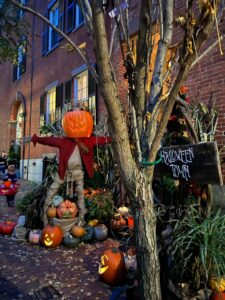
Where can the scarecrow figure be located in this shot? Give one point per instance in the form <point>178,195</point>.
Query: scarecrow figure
<point>72,153</point>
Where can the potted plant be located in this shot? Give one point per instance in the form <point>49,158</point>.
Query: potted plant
<point>100,206</point>
<point>198,248</point>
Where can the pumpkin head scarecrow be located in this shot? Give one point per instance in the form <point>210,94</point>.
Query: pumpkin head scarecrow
<point>75,148</point>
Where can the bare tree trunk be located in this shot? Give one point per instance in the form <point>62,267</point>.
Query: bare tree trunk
<point>145,234</point>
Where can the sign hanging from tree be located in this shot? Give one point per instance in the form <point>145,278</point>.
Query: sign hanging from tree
<point>197,162</point>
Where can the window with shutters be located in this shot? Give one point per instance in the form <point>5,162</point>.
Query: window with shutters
<point>20,67</point>
<point>85,92</point>
<point>66,15</point>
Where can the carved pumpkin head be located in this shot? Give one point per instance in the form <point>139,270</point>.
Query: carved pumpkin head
<point>77,124</point>
<point>112,267</point>
<point>51,236</point>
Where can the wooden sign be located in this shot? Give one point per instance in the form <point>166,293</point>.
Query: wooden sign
<point>197,162</point>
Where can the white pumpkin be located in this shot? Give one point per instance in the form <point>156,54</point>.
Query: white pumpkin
<point>123,210</point>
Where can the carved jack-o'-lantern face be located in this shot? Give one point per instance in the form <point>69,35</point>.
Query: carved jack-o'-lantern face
<point>102,266</point>
<point>47,240</point>
<point>77,124</point>
<point>112,267</point>
<point>51,236</point>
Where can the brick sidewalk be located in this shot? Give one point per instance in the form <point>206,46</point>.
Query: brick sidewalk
<point>32,272</point>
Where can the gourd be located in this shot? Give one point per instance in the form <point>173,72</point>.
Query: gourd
<point>71,242</point>
<point>112,267</point>
<point>67,209</point>
<point>51,212</point>
<point>77,231</point>
<point>93,222</point>
<point>89,235</point>
<point>34,236</point>
<point>77,124</point>
<point>100,232</point>
<point>51,236</point>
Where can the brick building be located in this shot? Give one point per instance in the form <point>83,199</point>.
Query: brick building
<point>45,83</point>
<point>49,78</point>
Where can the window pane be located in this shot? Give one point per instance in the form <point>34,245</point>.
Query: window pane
<point>51,96</point>
<point>79,16</point>
<point>54,19</point>
<point>81,87</point>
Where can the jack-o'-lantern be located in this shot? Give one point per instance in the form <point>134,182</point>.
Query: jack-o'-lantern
<point>51,236</point>
<point>67,209</point>
<point>112,267</point>
<point>77,124</point>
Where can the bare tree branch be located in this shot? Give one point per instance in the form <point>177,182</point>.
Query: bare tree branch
<point>118,127</point>
<point>210,48</point>
<point>163,45</point>
<point>143,53</point>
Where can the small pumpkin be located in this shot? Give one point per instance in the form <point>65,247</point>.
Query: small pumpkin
<point>67,209</point>
<point>34,236</point>
<point>77,124</point>
<point>51,212</point>
<point>77,231</point>
<point>217,284</point>
<point>93,222</point>
<point>7,227</point>
<point>100,232</point>
<point>117,222</point>
<point>89,235</point>
<point>112,267</point>
<point>217,296</point>
<point>51,236</point>
<point>70,241</point>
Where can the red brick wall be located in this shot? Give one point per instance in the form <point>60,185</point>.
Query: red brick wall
<point>57,65</point>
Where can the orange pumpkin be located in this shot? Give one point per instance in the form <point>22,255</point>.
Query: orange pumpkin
<point>67,209</point>
<point>7,184</point>
<point>51,212</point>
<point>77,231</point>
<point>51,236</point>
<point>112,267</point>
<point>77,124</point>
<point>217,296</point>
